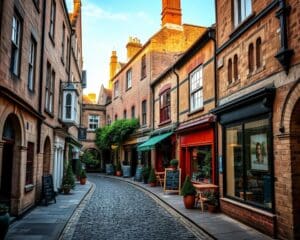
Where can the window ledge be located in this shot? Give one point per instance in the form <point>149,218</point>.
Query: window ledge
<point>49,113</point>
<point>241,25</point>
<point>196,111</point>
<point>127,89</point>
<point>164,122</point>
<point>28,188</point>
<point>91,130</point>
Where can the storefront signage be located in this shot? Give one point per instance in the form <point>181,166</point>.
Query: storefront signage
<point>172,181</point>
<point>48,190</point>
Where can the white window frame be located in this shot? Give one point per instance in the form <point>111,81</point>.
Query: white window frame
<point>94,122</point>
<point>31,64</point>
<point>129,79</point>
<point>242,9</point>
<point>196,89</point>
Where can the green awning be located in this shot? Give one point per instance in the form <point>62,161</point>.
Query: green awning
<point>150,143</point>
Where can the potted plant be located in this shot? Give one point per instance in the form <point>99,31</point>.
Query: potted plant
<point>212,201</point>
<point>174,164</point>
<point>68,180</point>
<point>188,192</point>
<point>83,177</point>
<point>145,174</point>
<point>152,178</point>
<point>4,220</point>
<point>118,169</point>
<point>78,169</point>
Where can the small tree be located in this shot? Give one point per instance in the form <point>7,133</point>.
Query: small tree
<point>69,179</point>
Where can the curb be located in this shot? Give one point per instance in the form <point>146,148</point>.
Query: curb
<point>187,222</point>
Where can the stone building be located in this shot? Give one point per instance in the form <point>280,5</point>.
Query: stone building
<point>37,60</point>
<point>131,94</point>
<point>258,110</point>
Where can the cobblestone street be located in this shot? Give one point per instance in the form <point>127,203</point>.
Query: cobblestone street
<point>117,210</point>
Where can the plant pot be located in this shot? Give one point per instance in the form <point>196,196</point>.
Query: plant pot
<point>4,224</point>
<point>119,173</point>
<point>189,201</point>
<point>82,181</point>
<point>152,184</point>
<point>212,208</point>
<point>66,190</point>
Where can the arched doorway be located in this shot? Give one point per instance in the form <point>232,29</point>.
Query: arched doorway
<point>295,161</point>
<point>10,154</point>
<point>47,157</point>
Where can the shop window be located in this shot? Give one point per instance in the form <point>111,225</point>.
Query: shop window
<point>258,53</point>
<point>251,58</point>
<point>29,163</point>
<point>16,45</point>
<point>196,89</point>
<point>201,163</point>
<point>235,68</point>
<point>248,171</point>
<point>229,71</point>
<point>128,78</point>
<point>242,9</point>
<point>165,106</point>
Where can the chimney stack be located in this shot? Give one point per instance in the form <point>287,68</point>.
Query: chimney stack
<point>112,67</point>
<point>133,46</point>
<point>171,12</point>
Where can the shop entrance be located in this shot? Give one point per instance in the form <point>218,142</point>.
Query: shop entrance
<point>295,156</point>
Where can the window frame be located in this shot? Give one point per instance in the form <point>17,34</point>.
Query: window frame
<point>199,89</point>
<point>240,11</point>
<point>165,106</point>
<point>93,120</point>
<point>32,65</point>
<point>144,112</point>
<point>52,20</point>
<point>129,79</point>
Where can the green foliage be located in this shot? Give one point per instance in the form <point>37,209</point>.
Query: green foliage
<point>152,176</point>
<point>83,173</point>
<point>68,179</point>
<point>89,159</point>
<point>116,133</point>
<point>174,162</point>
<point>212,197</point>
<point>3,208</point>
<point>145,172</point>
<point>188,188</point>
<point>78,167</point>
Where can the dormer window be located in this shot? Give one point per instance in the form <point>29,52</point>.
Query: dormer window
<point>242,9</point>
<point>70,104</point>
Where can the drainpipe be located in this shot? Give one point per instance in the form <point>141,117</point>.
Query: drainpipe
<point>39,127</point>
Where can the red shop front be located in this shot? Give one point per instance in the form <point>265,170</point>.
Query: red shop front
<point>197,151</point>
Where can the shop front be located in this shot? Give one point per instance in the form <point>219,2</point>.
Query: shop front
<point>197,150</point>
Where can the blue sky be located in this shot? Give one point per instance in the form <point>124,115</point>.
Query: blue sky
<point>107,25</point>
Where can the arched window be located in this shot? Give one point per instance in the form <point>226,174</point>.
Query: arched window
<point>68,106</point>
<point>258,53</point>
<point>251,58</point>
<point>235,67</point>
<point>229,71</point>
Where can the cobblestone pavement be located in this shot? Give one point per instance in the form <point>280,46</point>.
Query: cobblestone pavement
<point>117,210</point>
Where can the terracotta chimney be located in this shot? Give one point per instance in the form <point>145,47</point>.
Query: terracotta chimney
<point>133,46</point>
<point>112,66</point>
<point>171,12</point>
<point>76,8</point>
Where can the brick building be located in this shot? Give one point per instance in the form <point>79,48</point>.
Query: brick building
<point>131,95</point>
<point>258,110</point>
<point>37,60</point>
<point>183,96</point>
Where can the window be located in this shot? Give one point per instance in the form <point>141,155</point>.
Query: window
<point>116,89</point>
<point>93,122</point>
<point>16,45</point>
<point>229,71</point>
<point>258,53</point>
<point>144,112</point>
<point>133,112</point>
<point>196,89</point>
<point>49,89</point>
<point>165,106</point>
<point>116,117</point>
<point>128,78</point>
<point>68,54</point>
<point>52,19</point>
<point>31,64</point>
<point>143,67</point>
<point>29,163</point>
<point>63,43</point>
<point>108,120</point>
<point>201,163</point>
<point>251,58</point>
<point>125,114</point>
<point>248,171</point>
<point>242,9</point>
<point>68,106</point>
<point>235,67</point>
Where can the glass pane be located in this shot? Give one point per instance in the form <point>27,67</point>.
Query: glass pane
<point>234,162</point>
<point>201,158</point>
<point>258,185</point>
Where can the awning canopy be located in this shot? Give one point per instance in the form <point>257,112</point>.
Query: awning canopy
<point>150,144</point>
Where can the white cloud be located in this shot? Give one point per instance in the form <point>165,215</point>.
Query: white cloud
<point>92,10</point>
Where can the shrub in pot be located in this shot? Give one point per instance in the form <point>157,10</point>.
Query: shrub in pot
<point>145,174</point>
<point>152,178</point>
<point>68,180</point>
<point>4,220</point>
<point>188,192</point>
<point>83,177</point>
<point>174,164</point>
<point>118,169</point>
<point>212,201</point>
